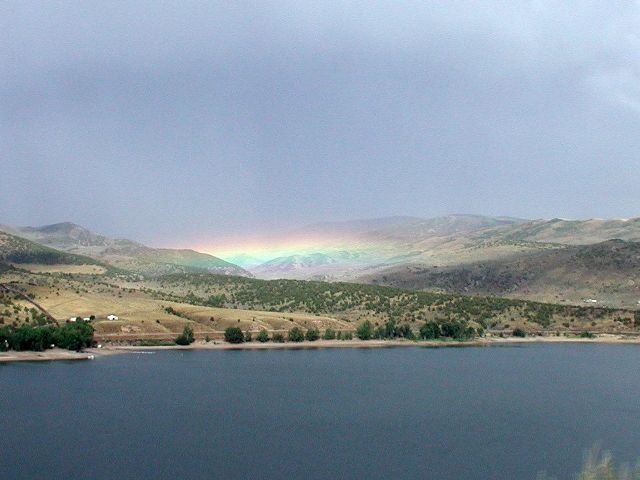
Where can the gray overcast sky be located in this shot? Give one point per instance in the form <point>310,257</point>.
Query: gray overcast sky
<point>169,122</point>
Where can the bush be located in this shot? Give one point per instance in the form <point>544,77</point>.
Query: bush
<point>346,336</point>
<point>295,335</point>
<point>587,334</point>
<point>457,330</point>
<point>277,338</point>
<point>186,337</point>
<point>233,335</point>
<point>72,336</point>
<point>247,336</point>
<point>430,331</point>
<point>365,331</point>
<point>519,332</point>
<point>329,334</point>
<point>312,334</point>
<point>263,336</point>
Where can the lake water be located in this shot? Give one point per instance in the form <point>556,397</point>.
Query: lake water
<point>454,413</point>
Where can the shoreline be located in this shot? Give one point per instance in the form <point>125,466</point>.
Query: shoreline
<point>108,350</point>
<point>480,342</point>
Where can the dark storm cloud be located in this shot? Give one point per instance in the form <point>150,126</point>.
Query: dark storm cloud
<point>166,122</point>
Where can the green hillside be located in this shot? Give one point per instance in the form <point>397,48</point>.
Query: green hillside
<point>356,303</point>
<point>19,250</point>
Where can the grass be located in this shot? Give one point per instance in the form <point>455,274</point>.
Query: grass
<point>161,308</point>
<point>599,465</point>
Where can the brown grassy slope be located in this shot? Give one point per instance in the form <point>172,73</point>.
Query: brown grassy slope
<point>608,271</point>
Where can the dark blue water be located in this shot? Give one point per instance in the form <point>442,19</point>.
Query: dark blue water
<point>464,413</point>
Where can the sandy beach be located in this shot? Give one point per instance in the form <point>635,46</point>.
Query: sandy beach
<point>47,355</point>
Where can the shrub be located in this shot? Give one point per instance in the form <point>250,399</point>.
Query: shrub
<point>233,335</point>
<point>365,331</point>
<point>430,331</point>
<point>73,336</point>
<point>587,334</point>
<point>519,332</point>
<point>186,337</point>
<point>312,334</point>
<point>247,336</point>
<point>277,338</point>
<point>295,335</point>
<point>263,336</point>
<point>329,334</point>
<point>457,330</point>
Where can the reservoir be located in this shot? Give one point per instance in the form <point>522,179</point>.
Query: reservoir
<point>410,412</point>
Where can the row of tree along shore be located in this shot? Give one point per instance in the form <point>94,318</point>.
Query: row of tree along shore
<point>36,338</point>
<point>366,331</point>
<point>79,335</point>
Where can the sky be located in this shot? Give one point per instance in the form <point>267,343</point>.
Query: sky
<point>173,123</point>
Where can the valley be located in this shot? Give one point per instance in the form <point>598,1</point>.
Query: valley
<point>485,277</point>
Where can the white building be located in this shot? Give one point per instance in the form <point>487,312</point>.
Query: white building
<point>112,317</point>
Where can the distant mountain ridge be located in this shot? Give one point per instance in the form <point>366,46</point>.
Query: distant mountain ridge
<point>362,244</point>
<point>126,254</point>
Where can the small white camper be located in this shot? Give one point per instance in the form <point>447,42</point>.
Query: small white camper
<point>112,317</point>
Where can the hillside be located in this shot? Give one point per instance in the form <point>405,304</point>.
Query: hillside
<point>351,247</point>
<point>290,266</point>
<point>158,308</point>
<point>125,254</point>
<point>17,250</point>
<point>570,232</point>
<point>355,303</point>
<point>608,272</point>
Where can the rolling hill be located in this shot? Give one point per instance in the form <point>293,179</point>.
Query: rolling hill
<point>17,250</point>
<point>608,272</point>
<point>124,254</point>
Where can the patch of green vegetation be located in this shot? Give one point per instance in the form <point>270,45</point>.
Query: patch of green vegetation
<point>263,336</point>
<point>295,335</point>
<point>71,336</point>
<point>519,332</point>
<point>233,335</point>
<point>312,334</point>
<point>186,337</point>
<point>329,334</point>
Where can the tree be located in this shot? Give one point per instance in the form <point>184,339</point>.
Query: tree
<point>312,334</point>
<point>186,337</point>
<point>519,332</point>
<point>247,336</point>
<point>263,336</point>
<point>365,331</point>
<point>329,334</point>
<point>233,335</point>
<point>430,331</point>
<point>296,335</point>
<point>73,336</point>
